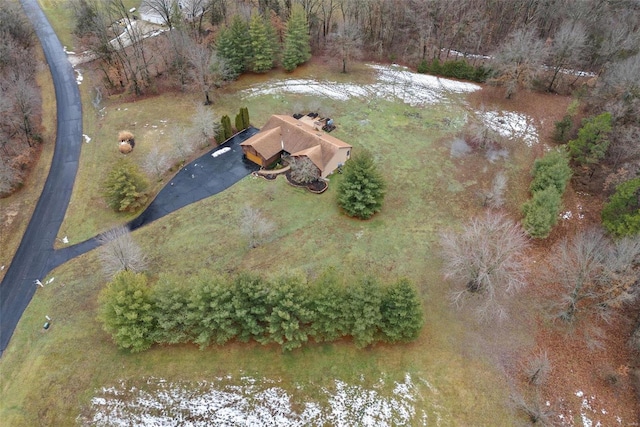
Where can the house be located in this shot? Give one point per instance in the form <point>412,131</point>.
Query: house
<point>160,11</point>
<point>287,135</point>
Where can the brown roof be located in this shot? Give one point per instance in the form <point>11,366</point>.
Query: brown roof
<point>297,138</point>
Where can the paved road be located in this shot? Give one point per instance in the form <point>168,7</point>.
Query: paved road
<point>31,258</point>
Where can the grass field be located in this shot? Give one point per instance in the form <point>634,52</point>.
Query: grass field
<point>50,378</point>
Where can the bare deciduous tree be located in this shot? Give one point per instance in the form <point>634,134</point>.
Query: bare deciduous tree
<point>156,162</point>
<point>183,141</point>
<point>567,50</point>
<point>8,176</point>
<point>596,274</point>
<point>484,262</point>
<point>120,252</point>
<point>255,226</point>
<point>346,44</point>
<point>205,124</point>
<point>167,10</point>
<point>303,170</point>
<point>494,197</point>
<point>519,60</point>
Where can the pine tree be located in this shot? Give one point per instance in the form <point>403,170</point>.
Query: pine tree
<point>541,212</point>
<point>402,316</point>
<point>365,301</point>
<point>126,311</point>
<point>593,140</point>
<point>125,188</point>
<point>171,304</point>
<point>297,47</point>
<point>250,306</point>
<point>331,307</point>
<point>290,315</point>
<point>211,312</point>
<point>362,189</point>
<point>551,170</point>
<point>621,214</point>
<point>262,43</point>
<point>234,46</point>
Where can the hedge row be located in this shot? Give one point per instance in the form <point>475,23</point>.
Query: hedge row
<point>459,69</point>
<point>550,176</point>
<point>288,310</point>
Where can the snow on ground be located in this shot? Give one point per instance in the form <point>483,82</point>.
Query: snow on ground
<point>79,77</point>
<point>589,414</point>
<point>220,151</point>
<point>257,402</point>
<point>393,82</point>
<point>512,125</point>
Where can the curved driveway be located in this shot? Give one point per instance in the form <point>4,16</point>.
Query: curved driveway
<point>30,261</point>
<point>35,256</point>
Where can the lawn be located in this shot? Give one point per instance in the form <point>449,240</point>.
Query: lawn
<point>50,377</point>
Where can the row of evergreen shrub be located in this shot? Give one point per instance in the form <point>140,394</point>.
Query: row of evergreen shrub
<point>287,310</point>
<point>459,69</point>
<point>551,174</point>
<point>226,131</point>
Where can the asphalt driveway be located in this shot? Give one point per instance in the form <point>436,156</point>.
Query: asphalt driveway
<point>202,178</point>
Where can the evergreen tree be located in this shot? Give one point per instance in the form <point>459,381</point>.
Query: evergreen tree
<point>226,127</point>
<point>593,140</point>
<point>331,307</point>
<point>401,311</point>
<point>262,43</point>
<point>551,170</point>
<point>290,315</point>
<point>126,311</point>
<point>541,212</point>
<point>234,46</point>
<point>365,301</point>
<point>239,122</point>
<point>245,116</point>
<point>211,312</point>
<point>297,47</point>
<point>125,188</point>
<point>621,214</point>
<point>250,307</point>
<point>362,189</point>
<point>171,304</point>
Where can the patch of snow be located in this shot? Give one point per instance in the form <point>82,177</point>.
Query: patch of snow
<point>255,402</point>
<point>220,151</point>
<point>588,412</point>
<point>79,77</point>
<point>512,125</point>
<point>392,82</point>
<point>86,138</point>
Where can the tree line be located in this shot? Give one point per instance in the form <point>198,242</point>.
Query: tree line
<point>20,102</point>
<point>288,310</point>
